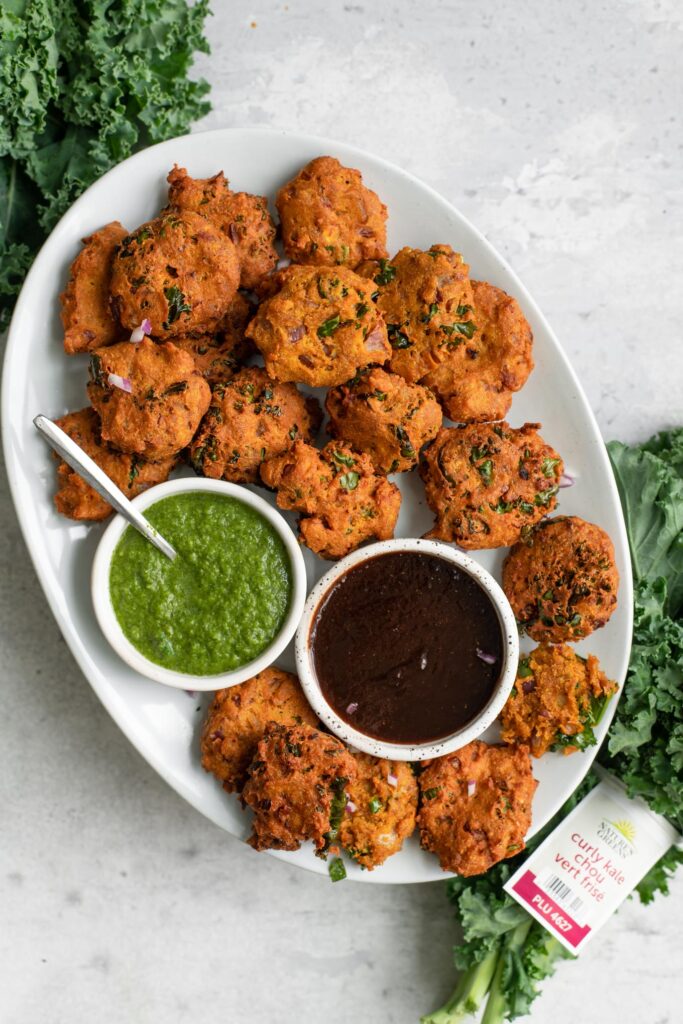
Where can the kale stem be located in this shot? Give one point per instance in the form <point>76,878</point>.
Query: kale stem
<point>469,992</point>
<point>496,1004</point>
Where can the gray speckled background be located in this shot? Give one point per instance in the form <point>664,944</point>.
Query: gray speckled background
<point>554,126</point>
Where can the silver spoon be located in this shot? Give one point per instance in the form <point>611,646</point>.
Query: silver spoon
<point>74,455</point>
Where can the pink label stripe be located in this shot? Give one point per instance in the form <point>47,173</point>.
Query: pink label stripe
<point>552,914</point>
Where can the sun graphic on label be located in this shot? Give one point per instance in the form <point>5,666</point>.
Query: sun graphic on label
<point>627,829</point>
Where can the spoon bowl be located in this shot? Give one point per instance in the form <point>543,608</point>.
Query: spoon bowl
<point>93,475</point>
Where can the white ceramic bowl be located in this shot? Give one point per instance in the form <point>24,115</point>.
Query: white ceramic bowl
<point>109,624</point>
<point>405,751</point>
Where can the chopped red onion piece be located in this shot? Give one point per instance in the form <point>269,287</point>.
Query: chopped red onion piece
<point>471,788</point>
<point>567,480</point>
<point>352,708</point>
<point>351,807</point>
<point>122,383</point>
<point>139,333</point>
<point>375,339</point>
<point>528,685</point>
<point>297,333</point>
<point>392,779</point>
<point>490,659</point>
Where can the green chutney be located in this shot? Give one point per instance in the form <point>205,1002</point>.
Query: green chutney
<point>220,603</point>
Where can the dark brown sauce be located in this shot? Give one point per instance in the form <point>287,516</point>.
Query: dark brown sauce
<point>395,640</point>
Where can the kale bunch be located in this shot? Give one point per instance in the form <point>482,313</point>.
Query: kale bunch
<point>83,84</point>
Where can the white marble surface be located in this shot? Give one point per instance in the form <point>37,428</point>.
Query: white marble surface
<point>554,126</point>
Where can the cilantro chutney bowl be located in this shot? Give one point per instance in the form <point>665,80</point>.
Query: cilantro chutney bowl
<point>224,610</point>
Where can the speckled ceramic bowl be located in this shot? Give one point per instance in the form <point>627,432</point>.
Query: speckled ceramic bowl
<point>405,751</point>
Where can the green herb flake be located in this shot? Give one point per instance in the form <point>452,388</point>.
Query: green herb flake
<point>336,869</point>
<point>485,471</point>
<point>543,498</point>
<point>548,466</point>
<point>328,328</point>
<point>349,481</point>
<point>432,310</point>
<point>343,460</point>
<point>375,805</point>
<point>386,274</point>
<point>176,305</point>
<point>397,338</point>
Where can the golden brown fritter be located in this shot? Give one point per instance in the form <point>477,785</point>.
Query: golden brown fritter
<point>562,581</point>
<point>557,700</point>
<point>237,720</point>
<point>329,217</point>
<point>272,283</point>
<point>380,414</point>
<point>160,413</point>
<point>243,217</point>
<point>380,812</point>
<point>75,499</point>
<point>476,384</point>
<point>426,301</point>
<point>476,806</point>
<point>319,328</point>
<point>178,271</point>
<point>297,788</point>
<point>342,501</point>
<point>489,483</point>
<point>86,314</point>
<point>219,355</point>
<point>251,419</point>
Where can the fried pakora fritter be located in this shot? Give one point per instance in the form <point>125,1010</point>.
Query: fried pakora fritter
<point>297,788</point>
<point>476,385</point>
<point>342,501</point>
<point>76,499</point>
<point>557,700</point>
<point>319,328</point>
<point>380,812</point>
<point>237,720</point>
<point>272,283</point>
<point>219,355</point>
<point>489,483</point>
<point>251,419</point>
<point>178,271</point>
<point>476,806</point>
<point>562,580</point>
<point>149,397</point>
<point>380,414</point>
<point>86,314</point>
<point>243,217</point>
<point>329,217</point>
<point>426,301</point>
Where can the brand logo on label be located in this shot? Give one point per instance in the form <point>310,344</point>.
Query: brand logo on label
<point>619,836</point>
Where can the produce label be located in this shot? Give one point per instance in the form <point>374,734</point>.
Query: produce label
<point>583,871</point>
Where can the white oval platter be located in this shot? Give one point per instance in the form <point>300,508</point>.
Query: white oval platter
<point>164,723</point>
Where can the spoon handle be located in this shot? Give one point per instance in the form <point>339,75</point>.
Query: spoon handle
<point>87,468</point>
